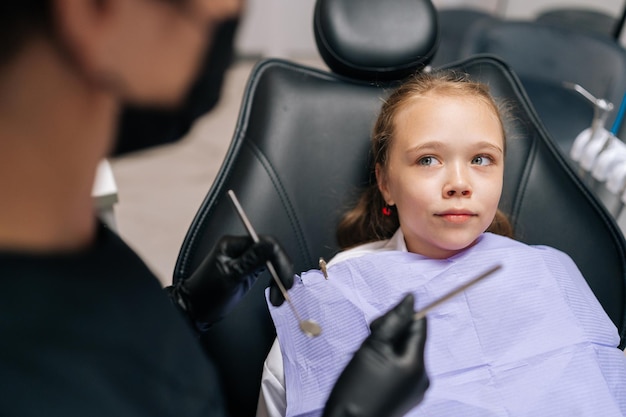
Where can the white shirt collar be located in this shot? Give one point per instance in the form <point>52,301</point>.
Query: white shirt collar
<point>396,242</point>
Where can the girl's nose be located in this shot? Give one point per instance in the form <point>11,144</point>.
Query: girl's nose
<point>457,184</point>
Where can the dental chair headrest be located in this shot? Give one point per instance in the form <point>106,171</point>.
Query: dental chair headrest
<point>376,39</point>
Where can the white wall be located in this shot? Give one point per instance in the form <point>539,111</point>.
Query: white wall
<point>284,28</point>
<point>277,28</point>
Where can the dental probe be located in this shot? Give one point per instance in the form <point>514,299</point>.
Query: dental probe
<point>308,327</point>
<point>422,313</point>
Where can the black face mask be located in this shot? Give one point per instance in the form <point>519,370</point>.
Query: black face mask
<point>144,127</point>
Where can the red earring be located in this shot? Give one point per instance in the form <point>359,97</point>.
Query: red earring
<point>386,211</point>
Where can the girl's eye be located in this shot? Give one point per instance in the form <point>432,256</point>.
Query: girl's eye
<point>427,161</point>
<point>482,160</point>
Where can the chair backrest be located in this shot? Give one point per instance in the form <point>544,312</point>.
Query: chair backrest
<point>544,56</point>
<point>579,19</point>
<point>299,157</point>
<point>454,25</point>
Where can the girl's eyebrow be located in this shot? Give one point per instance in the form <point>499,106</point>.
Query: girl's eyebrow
<point>485,144</point>
<point>437,145</point>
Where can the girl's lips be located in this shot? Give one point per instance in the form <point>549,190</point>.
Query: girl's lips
<point>456,217</point>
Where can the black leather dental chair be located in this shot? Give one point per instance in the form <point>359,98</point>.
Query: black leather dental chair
<point>299,157</point>
<point>454,25</point>
<point>544,56</point>
<point>579,19</point>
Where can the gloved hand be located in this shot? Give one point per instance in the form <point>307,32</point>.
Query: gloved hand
<point>386,376</point>
<point>227,273</point>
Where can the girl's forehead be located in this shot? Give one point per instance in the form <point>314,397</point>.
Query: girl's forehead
<point>446,114</point>
<point>445,105</point>
<point>433,102</point>
<point>464,98</point>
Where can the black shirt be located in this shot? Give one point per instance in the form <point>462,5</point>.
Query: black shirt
<point>93,334</point>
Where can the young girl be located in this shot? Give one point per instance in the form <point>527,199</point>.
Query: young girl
<point>530,340</point>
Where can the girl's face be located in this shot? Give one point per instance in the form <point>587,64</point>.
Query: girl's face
<point>444,173</point>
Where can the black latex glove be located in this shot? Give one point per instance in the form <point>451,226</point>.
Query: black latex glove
<point>226,275</point>
<point>386,376</point>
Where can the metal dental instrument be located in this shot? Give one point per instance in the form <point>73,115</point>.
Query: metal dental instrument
<point>422,313</point>
<point>308,327</point>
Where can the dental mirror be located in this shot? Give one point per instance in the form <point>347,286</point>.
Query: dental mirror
<point>308,327</point>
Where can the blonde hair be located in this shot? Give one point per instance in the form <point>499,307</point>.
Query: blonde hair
<point>365,221</point>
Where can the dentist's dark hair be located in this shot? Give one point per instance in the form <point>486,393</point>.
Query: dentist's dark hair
<point>19,20</point>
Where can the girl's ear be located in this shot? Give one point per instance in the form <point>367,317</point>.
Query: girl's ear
<point>381,180</point>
